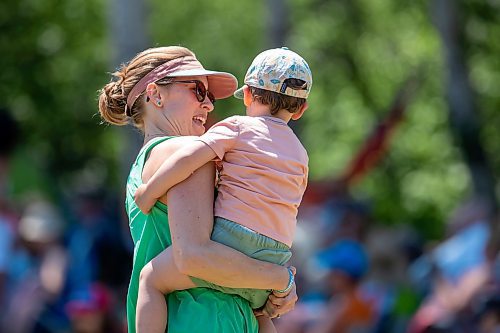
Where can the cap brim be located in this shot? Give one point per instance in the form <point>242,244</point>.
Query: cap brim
<point>239,93</point>
<point>220,84</point>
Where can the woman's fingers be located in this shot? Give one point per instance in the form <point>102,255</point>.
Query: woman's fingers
<point>278,306</point>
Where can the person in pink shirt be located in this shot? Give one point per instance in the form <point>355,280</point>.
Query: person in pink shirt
<point>262,178</point>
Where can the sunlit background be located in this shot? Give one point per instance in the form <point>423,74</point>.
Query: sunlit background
<point>402,133</point>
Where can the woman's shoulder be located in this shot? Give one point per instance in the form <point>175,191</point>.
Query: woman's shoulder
<point>161,151</point>
<point>170,146</point>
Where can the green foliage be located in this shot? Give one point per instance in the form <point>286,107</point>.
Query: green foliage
<point>360,52</point>
<point>224,35</point>
<point>483,47</point>
<point>54,61</point>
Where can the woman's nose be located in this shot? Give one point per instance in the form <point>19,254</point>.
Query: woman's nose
<point>207,104</point>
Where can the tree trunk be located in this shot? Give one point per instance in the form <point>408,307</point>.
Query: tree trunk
<point>277,23</point>
<point>128,35</point>
<point>128,27</point>
<point>278,26</point>
<point>463,115</point>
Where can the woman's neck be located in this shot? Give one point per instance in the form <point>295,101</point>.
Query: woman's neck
<point>152,131</point>
<point>148,137</point>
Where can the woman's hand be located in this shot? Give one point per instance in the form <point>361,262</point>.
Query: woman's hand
<point>144,201</point>
<point>280,303</point>
<point>278,306</point>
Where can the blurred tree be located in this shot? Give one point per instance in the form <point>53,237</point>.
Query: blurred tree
<point>128,30</point>
<point>129,35</point>
<point>464,117</point>
<point>360,53</point>
<point>277,15</point>
<point>54,56</point>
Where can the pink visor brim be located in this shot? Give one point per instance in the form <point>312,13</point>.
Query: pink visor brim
<point>220,84</point>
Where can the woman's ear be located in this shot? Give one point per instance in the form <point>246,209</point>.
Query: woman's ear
<point>247,96</point>
<point>153,94</point>
<point>301,111</point>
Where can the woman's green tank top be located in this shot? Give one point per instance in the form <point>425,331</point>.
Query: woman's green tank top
<point>190,311</point>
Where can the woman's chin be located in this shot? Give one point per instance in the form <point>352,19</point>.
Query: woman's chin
<point>198,129</point>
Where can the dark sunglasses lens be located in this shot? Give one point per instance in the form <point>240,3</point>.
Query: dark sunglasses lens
<point>201,91</point>
<point>211,97</point>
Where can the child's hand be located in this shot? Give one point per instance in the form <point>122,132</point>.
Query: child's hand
<point>143,201</point>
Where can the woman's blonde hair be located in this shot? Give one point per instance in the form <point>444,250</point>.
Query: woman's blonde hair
<point>113,96</point>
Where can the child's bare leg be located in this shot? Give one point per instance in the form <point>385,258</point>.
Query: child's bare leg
<point>160,276</point>
<point>266,325</point>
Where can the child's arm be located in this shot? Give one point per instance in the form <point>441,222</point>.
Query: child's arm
<point>173,170</point>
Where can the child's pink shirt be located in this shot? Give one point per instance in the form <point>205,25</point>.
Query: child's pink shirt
<point>263,176</point>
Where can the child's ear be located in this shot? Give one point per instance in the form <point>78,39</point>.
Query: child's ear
<point>301,111</point>
<point>247,96</point>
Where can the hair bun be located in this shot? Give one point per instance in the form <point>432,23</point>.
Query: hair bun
<point>112,101</point>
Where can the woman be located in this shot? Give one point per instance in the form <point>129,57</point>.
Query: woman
<point>164,92</point>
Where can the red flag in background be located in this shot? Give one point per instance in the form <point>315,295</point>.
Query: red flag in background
<point>372,150</point>
<point>378,141</point>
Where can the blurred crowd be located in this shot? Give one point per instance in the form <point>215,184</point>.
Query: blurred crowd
<point>356,275</point>
<point>64,266</point>
<point>62,276</point>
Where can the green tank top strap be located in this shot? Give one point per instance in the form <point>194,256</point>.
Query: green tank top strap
<point>135,176</point>
<point>144,152</point>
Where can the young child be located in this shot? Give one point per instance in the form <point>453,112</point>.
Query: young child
<point>261,183</point>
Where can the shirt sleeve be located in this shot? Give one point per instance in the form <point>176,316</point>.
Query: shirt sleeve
<point>222,136</point>
<point>305,180</point>
<point>305,167</point>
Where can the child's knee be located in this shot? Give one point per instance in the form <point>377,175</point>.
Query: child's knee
<point>147,275</point>
<point>150,279</point>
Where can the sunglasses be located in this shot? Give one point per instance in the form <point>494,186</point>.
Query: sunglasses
<point>200,91</point>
